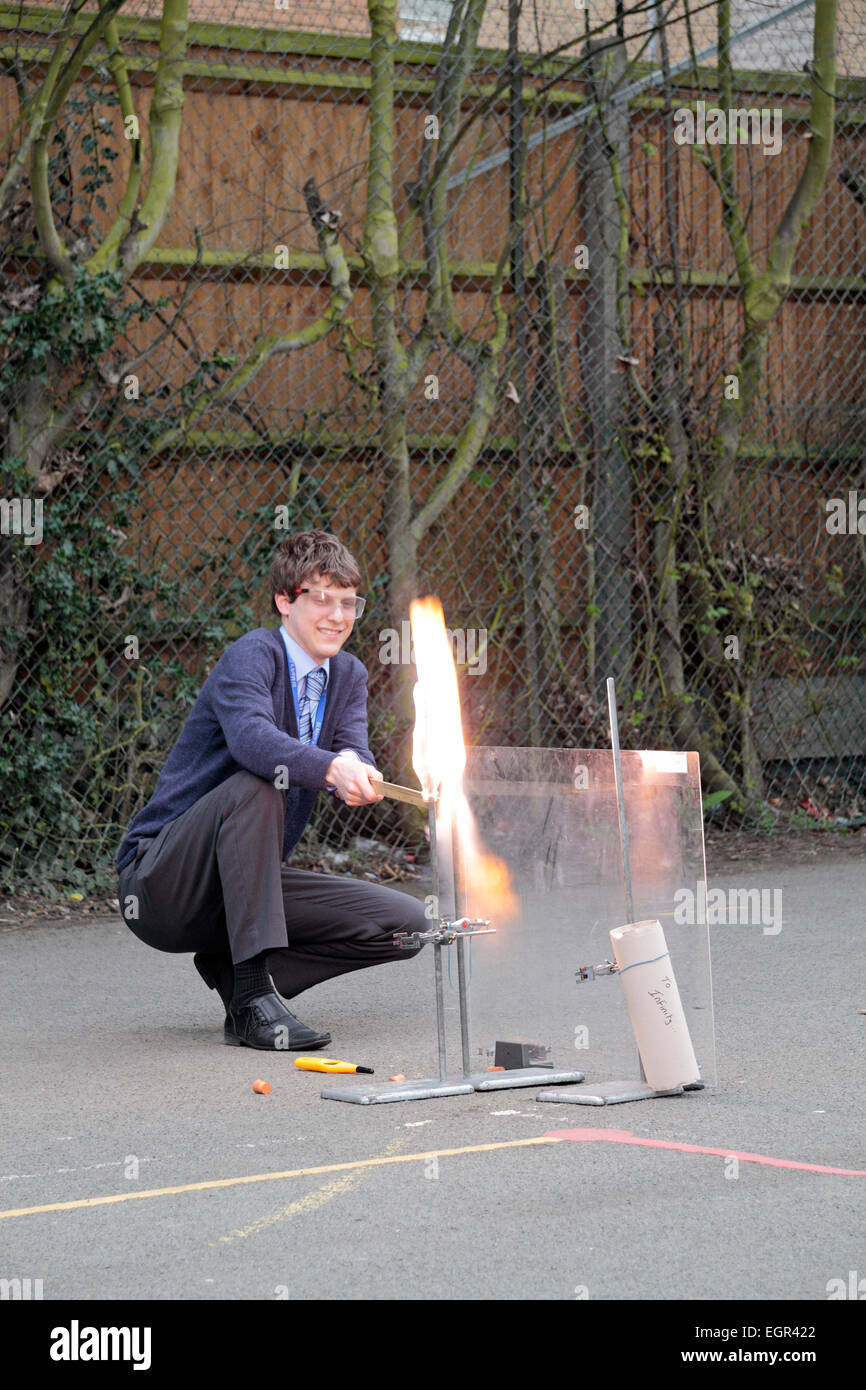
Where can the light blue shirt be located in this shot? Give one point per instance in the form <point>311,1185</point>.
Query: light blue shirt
<point>304,664</point>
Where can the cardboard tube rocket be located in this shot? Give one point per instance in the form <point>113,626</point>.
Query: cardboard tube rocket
<point>654,1005</point>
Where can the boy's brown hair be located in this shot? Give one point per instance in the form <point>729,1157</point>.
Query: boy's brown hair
<point>306,553</point>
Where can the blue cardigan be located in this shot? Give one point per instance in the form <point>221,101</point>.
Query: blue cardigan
<point>244,718</point>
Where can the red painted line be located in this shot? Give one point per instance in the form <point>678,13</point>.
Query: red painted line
<point>625,1136</point>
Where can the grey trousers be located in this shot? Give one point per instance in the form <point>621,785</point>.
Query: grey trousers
<point>212,881</point>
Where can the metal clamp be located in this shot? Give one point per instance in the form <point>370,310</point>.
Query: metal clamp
<point>447,931</point>
<point>590,972</point>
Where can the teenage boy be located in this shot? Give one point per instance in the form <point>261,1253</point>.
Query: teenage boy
<point>281,717</point>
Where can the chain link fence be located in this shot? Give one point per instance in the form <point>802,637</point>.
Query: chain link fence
<point>552,309</point>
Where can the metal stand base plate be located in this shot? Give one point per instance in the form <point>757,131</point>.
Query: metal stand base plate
<point>423,1088</point>
<point>608,1093</point>
<point>426,1088</point>
<point>523,1076</point>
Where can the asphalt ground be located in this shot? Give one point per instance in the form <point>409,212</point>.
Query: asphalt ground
<point>167,1178</point>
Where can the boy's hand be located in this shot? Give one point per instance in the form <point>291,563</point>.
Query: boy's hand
<point>353,781</point>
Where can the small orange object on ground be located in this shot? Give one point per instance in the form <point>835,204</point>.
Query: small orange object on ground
<point>398,1077</point>
<point>261,1087</point>
<point>496,1069</point>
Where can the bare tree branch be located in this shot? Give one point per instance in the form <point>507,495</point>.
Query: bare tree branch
<point>326,224</point>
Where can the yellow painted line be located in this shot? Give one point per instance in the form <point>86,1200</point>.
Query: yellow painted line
<point>311,1202</point>
<point>276,1177</point>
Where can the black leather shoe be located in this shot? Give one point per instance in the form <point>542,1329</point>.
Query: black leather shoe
<point>265,1023</point>
<point>218,973</point>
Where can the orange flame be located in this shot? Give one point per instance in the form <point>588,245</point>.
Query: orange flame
<point>439,760</point>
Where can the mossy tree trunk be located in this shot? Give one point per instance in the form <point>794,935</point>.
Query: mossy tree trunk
<point>45,406</point>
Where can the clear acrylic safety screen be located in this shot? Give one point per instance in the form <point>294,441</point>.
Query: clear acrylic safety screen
<point>550,814</point>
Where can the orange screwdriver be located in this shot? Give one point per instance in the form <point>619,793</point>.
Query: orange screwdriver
<point>328,1064</point>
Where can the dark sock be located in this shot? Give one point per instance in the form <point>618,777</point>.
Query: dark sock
<point>251,979</point>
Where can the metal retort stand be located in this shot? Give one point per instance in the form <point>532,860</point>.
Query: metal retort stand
<point>447,931</point>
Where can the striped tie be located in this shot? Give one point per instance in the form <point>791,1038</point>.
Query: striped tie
<point>315,684</point>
